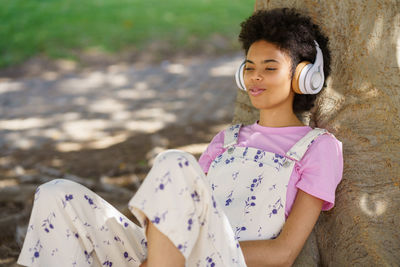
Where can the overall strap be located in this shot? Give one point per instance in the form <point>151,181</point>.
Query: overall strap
<point>231,135</point>
<point>300,148</point>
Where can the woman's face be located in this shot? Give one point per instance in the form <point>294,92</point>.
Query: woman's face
<point>267,76</point>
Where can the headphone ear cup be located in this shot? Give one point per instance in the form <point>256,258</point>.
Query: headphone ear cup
<point>298,78</point>
<point>239,76</point>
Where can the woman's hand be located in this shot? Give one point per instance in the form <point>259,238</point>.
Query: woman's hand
<point>143,264</point>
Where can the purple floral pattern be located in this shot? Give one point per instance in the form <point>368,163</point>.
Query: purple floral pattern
<point>249,202</point>
<point>57,228</point>
<point>250,191</point>
<point>229,199</point>
<point>67,198</point>
<point>274,208</point>
<point>90,202</point>
<point>163,181</point>
<point>35,251</point>
<point>238,231</point>
<point>159,218</point>
<point>255,182</point>
<point>47,223</point>
<point>182,162</point>
<point>124,221</point>
<point>278,160</point>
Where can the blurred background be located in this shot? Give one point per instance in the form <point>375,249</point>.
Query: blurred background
<point>92,90</point>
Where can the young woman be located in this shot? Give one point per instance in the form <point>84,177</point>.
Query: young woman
<point>251,200</point>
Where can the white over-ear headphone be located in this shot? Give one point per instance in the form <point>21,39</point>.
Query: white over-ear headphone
<point>308,78</point>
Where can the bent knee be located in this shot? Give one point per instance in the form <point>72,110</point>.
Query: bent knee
<point>58,189</point>
<point>175,156</point>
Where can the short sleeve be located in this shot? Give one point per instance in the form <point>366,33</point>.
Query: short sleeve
<point>214,149</point>
<point>321,169</point>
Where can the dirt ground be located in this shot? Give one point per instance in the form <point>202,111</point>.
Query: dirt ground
<point>114,171</point>
<point>125,165</point>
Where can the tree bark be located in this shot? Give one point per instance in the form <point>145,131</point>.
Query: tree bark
<point>361,107</point>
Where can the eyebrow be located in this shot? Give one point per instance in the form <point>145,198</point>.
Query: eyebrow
<point>264,61</point>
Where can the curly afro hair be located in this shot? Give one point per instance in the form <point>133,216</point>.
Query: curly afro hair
<point>292,33</point>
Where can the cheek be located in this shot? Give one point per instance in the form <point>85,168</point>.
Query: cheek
<point>278,78</point>
<point>246,79</point>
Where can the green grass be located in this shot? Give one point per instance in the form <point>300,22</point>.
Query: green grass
<point>59,28</point>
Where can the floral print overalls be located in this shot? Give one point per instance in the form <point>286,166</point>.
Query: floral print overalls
<point>251,185</point>
<point>241,198</point>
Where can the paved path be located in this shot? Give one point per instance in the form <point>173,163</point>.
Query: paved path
<point>96,110</point>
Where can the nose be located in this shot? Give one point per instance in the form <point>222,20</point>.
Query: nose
<point>256,76</point>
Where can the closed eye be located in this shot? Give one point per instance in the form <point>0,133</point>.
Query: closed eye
<point>265,69</point>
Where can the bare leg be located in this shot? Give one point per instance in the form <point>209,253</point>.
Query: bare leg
<point>161,251</point>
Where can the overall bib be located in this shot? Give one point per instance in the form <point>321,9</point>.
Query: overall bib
<point>251,185</point>
<point>242,198</point>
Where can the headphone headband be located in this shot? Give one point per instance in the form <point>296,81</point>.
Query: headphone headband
<point>314,79</point>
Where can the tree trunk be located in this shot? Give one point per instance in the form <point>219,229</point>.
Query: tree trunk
<point>360,107</point>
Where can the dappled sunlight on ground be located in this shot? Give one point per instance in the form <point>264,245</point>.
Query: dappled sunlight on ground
<point>83,110</point>
<point>6,87</point>
<point>103,129</point>
<point>226,69</point>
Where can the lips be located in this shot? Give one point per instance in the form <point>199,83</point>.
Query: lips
<point>256,91</point>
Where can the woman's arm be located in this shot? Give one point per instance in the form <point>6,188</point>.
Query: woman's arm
<point>283,250</point>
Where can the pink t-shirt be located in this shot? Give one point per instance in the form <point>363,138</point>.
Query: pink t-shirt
<point>318,173</point>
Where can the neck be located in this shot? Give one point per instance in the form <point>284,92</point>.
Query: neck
<point>278,118</point>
